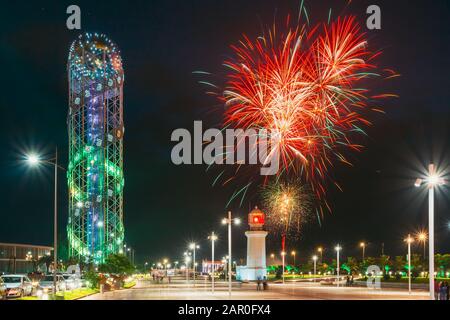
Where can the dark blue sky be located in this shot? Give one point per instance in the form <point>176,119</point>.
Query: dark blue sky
<point>162,43</point>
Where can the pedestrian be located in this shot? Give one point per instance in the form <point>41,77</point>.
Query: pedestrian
<point>442,291</point>
<point>447,293</point>
<point>258,284</point>
<point>265,283</point>
<point>436,290</point>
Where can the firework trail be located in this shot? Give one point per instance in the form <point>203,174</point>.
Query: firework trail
<point>288,206</point>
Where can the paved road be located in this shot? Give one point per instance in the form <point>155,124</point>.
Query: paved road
<point>180,290</point>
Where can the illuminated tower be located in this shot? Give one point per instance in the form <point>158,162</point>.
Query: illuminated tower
<point>95,170</point>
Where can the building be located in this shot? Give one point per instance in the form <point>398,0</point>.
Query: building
<point>95,171</point>
<point>21,258</point>
<point>256,248</point>
<point>207,266</point>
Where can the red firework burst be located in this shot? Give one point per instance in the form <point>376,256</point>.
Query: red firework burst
<point>303,85</point>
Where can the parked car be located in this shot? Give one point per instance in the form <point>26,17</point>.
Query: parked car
<point>2,290</point>
<point>46,283</point>
<point>17,285</point>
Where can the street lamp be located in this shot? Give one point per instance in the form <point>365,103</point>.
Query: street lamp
<point>187,259</point>
<point>283,254</point>
<point>293,253</point>
<point>320,250</point>
<point>193,246</point>
<point>422,237</point>
<point>363,246</point>
<point>272,256</point>
<point>338,249</point>
<point>409,240</point>
<point>213,238</point>
<point>431,181</point>
<point>229,221</point>
<point>315,266</point>
<point>34,160</point>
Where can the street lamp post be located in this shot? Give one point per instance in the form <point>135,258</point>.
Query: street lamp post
<point>409,240</point>
<point>363,246</point>
<point>293,253</point>
<point>187,259</point>
<point>33,160</point>
<point>283,254</point>
<point>213,238</point>
<point>320,250</point>
<point>229,221</point>
<point>193,246</point>
<point>432,181</point>
<point>315,267</point>
<point>338,250</point>
<point>422,237</point>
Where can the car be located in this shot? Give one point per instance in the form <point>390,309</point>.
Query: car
<point>17,285</point>
<point>46,283</point>
<point>2,290</point>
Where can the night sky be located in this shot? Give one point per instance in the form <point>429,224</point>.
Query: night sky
<point>162,43</point>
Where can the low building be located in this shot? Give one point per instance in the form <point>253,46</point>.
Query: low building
<point>207,266</point>
<point>21,258</point>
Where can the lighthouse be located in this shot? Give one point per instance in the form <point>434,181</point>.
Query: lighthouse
<point>256,248</point>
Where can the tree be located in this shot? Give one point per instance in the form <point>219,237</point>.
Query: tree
<point>399,263</point>
<point>352,265</point>
<point>46,259</point>
<point>117,264</point>
<point>385,263</point>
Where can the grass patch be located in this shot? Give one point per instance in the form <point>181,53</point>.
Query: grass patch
<point>129,285</point>
<point>68,295</point>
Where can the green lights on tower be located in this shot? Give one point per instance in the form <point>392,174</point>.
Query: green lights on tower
<point>95,171</point>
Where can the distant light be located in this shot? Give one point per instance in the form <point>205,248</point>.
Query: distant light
<point>32,159</point>
<point>314,258</point>
<point>422,236</point>
<point>224,221</point>
<point>100,224</point>
<point>237,221</point>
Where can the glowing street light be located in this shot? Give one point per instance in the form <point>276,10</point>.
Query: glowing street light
<point>338,249</point>
<point>272,256</point>
<point>315,266</point>
<point>409,240</point>
<point>193,246</point>
<point>293,253</point>
<point>34,160</point>
<point>213,238</point>
<point>229,221</point>
<point>283,254</point>
<point>363,246</point>
<point>187,259</point>
<point>320,251</point>
<point>422,237</point>
<point>433,180</point>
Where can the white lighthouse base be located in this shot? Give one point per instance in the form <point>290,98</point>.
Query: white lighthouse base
<point>256,257</point>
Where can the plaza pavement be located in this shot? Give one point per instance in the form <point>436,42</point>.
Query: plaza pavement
<point>180,290</point>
